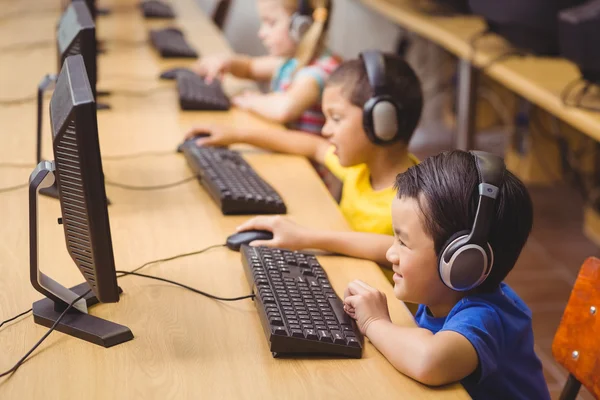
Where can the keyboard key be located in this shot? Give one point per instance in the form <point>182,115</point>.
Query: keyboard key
<point>310,334</point>
<point>279,330</point>
<point>324,336</point>
<point>353,342</point>
<point>338,338</point>
<point>297,333</point>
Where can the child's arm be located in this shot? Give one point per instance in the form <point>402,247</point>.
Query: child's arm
<point>283,107</point>
<point>289,235</point>
<point>282,141</point>
<point>255,68</point>
<point>438,359</point>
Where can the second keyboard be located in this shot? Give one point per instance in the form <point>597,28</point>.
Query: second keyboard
<point>232,182</point>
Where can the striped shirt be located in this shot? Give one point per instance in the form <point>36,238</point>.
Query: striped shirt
<point>312,120</point>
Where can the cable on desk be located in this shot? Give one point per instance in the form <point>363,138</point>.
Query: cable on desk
<point>193,253</point>
<point>14,102</point>
<point>141,93</point>
<point>473,42</point>
<point>16,165</point>
<point>20,13</point>
<point>22,360</point>
<point>13,188</point>
<point>141,154</point>
<point>210,296</point>
<point>503,56</point>
<point>157,187</point>
<point>579,95</point>
<point>15,317</point>
<point>27,46</point>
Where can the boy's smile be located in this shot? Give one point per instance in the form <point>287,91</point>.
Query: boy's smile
<point>413,257</point>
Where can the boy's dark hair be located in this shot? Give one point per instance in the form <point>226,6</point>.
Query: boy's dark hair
<point>402,83</point>
<point>446,187</point>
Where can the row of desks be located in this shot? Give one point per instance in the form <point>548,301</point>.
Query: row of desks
<point>185,345</point>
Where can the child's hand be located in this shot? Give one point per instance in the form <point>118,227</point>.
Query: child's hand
<point>286,234</point>
<point>217,135</point>
<point>212,67</point>
<point>365,304</point>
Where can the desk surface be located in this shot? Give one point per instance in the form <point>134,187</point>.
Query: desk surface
<point>538,79</point>
<point>185,346</point>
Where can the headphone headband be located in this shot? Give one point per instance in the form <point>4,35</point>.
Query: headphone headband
<point>304,8</point>
<point>374,62</point>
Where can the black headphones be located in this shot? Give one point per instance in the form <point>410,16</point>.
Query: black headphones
<point>301,20</point>
<point>383,116</point>
<point>467,258</point>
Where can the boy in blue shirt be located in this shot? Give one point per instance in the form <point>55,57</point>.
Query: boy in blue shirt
<point>460,221</point>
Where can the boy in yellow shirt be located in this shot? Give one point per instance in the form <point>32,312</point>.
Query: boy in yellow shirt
<point>372,107</point>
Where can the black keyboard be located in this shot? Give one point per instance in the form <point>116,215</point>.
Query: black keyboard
<point>232,182</point>
<point>299,311</point>
<point>157,9</point>
<point>196,94</point>
<point>171,43</point>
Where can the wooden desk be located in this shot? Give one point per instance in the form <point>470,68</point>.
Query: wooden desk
<point>185,346</point>
<point>538,79</point>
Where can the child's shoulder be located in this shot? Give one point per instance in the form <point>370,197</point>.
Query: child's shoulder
<point>502,307</point>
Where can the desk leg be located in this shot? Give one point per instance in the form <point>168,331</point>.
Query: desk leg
<point>466,110</point>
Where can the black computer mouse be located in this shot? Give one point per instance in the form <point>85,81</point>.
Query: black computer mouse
<point>191,140</point>
<point>235,241</point>
<point>172,29</point>
<point>172,73</point>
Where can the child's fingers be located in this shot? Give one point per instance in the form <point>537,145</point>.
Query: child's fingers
<point>355,288</point>
<point>266,243</point>
<point>263,223</point>
<point>365,286</point>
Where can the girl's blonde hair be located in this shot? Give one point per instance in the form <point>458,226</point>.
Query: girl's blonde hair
<point>313,40</point>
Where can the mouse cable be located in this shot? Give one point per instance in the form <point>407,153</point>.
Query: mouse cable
<point>193,253</point>
<point>13,188</point>
<point>157,187</point>
<point>22,360</point>
<point>15,317</point>
<point>210,296</point>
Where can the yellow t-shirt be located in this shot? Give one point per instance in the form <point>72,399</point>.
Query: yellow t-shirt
<point>366,210</point>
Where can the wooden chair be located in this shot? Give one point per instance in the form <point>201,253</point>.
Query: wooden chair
<point>220,12</point>
<point>576,345</point>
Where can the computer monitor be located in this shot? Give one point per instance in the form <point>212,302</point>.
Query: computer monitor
<point>76,34</point>
<point>78,171</point>
<point>531,25</point>
<point>579,31</point>
<point>91,4</point>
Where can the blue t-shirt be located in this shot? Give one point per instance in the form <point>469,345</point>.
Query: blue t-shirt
<point>498,325</point>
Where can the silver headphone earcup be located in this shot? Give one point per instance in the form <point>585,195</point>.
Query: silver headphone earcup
<point>299,25</point>
<point>385,120</point>
<point>467,267</point>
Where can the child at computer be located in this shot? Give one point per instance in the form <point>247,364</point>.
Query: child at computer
<point>372,106</point>
<point>460,222</point>
<point>298,64</point>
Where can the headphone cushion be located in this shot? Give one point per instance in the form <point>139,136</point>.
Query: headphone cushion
<point>299,25</point>
<point>463,265</point>
<point>381,120</point>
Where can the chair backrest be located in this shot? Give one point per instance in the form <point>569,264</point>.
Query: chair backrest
<point>576,345</point>
<point>220,12</point>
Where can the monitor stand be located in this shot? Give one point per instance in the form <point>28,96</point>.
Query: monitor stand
<point>52,191</point>
<point>77,322</point>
